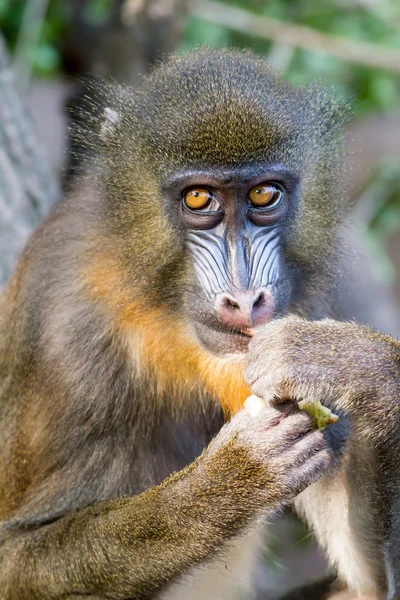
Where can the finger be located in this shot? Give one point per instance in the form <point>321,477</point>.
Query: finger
<point>305,448</point>
<point>310,471</point>
<point>295,424</point>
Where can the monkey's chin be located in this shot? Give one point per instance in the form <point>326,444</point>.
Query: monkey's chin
<point>226,344</point>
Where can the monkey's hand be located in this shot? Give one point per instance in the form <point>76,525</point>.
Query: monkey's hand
<point>345,366</point>
<point>260,460</point>
<point>354,370</point>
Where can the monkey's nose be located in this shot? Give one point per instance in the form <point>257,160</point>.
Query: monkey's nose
<point>243,309</point>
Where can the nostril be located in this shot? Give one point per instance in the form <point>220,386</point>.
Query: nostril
<point>244,309</point>
<point>259,300</point>
<point>230,303</point>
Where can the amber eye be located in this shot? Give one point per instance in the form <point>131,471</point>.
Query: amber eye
<point>265,195</point>
<point>198,198</point>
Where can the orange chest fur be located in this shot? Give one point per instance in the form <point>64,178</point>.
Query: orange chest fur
<point>179,364</point>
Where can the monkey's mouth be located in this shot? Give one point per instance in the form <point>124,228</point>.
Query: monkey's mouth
<point>248,332</point>
<point>245,334</point>
<point>221,340</point>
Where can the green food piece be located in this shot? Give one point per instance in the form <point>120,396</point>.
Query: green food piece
<point>321,416</point>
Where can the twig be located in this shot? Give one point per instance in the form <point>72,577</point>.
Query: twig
<point>364,53</point>
<point>28,37</point>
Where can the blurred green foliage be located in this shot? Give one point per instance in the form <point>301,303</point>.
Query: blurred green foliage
<point>376,22</point>
<point>46,60</point>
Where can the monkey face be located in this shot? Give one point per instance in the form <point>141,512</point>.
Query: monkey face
<point>234,225</point>
<point>220,186</point>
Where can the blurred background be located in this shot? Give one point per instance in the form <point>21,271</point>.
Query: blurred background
<point>49,47</point>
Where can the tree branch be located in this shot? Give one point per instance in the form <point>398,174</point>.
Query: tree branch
<point>364,53</point>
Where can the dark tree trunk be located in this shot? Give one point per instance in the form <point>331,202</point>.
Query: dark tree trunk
<point>135,35</point>
<point>28,185</point>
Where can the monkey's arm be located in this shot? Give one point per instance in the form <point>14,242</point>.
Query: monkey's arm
<point>129,547</point>
<point>133,547</point>
<point>355,371</point>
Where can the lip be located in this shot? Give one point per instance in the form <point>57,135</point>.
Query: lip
<point>242,333</point>
<point>223,341</point>
<point>248,332</point>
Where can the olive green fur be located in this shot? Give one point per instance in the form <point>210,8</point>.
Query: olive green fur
<point>109,488</point>
<point>219,109</point>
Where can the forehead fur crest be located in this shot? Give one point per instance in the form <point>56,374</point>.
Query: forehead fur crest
<point>224,108</point>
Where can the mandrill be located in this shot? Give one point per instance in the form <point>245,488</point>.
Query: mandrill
<point>189,268</point>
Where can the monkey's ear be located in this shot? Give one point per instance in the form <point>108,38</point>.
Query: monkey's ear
<point>109,123</point>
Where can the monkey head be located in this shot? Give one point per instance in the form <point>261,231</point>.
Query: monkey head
<point>220,185</point>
